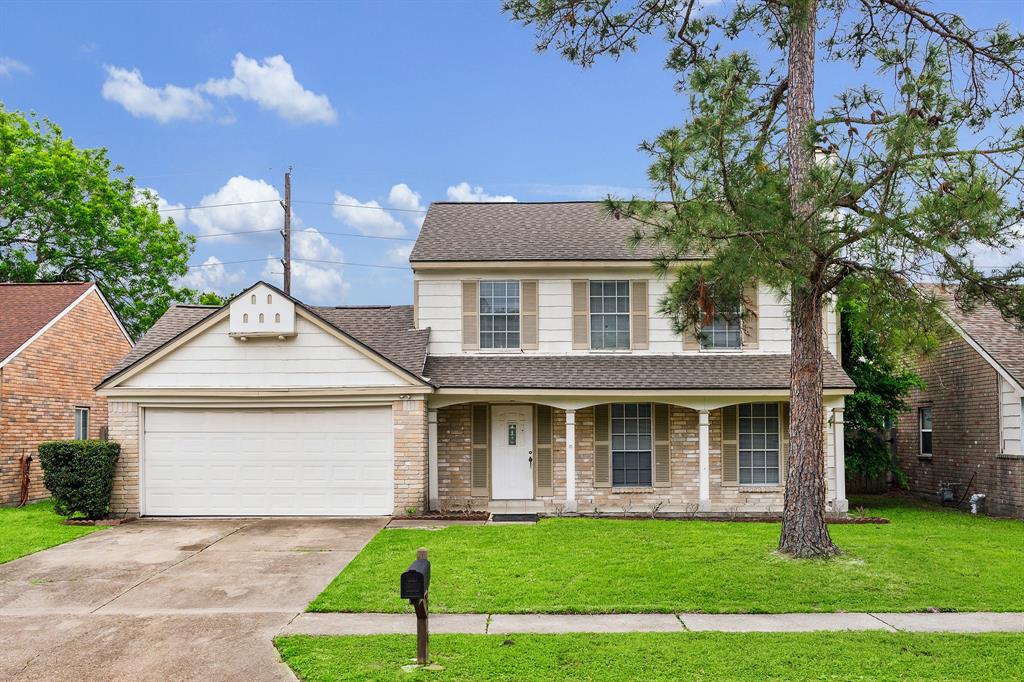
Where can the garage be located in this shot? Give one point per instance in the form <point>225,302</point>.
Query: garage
<point>332,461</point>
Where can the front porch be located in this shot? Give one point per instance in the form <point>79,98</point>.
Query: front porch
<point>619,454</point>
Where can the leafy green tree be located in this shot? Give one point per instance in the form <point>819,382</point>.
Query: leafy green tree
<point>69,214</point>
<point>899,180</point>
<point>874,356</point>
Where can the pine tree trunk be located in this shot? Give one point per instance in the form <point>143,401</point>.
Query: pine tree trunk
<point>804,533</point>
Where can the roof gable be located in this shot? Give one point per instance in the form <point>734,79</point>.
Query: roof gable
<point>387,338</point>
<point>1001,342</point>
<point>27,310</point>
<point>546,231</point>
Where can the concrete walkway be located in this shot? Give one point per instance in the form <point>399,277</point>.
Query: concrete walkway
<point>394,623</point>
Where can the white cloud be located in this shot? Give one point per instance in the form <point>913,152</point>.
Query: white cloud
<point>587,191</point>
<point>402,196</point>
<point>168,103</point>
<point>321,283</point>
<point>212,276</point>
<point>400,254</point>
<point>272,85</point>
<point>310,244</point>
<point>466,192</point>
<point>368,217</point>
<point>243,215</point>
<point>10,66</point>
<point>165,208</point>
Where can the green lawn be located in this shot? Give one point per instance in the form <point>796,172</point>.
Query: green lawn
<point>664,656</point>
<point>32,528</point>
<point>925,558</point>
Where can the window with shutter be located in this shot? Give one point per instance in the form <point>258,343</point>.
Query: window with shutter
<point>730,446</point>
<point>542,450</point>
<point>529,306</point>
<point>481,458</point>
<point>639,314</point>
<point>470,315</point>
<point>602,447</point>
<point>580,314</point>
<point>751,320</point>
<point>662,453</point>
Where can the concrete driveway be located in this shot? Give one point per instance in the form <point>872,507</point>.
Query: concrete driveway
<point>169,599</point>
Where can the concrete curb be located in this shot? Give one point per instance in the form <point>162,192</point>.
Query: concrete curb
<point>479,623</point>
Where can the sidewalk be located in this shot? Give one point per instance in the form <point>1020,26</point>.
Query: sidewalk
<point>480,623</point>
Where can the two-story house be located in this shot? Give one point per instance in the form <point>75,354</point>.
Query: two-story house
<point>533,372</point>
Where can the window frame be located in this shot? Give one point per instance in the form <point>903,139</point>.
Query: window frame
<point>921,431</point>
<point>765,450</point>
<point>619,315</point>
<point>506,315</point>
<point>738,321</point>
<point>82,424</point>
<point>638,414</point>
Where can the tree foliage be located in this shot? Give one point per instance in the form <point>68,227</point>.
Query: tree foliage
<point>69,214</point>
<point>913,168</point>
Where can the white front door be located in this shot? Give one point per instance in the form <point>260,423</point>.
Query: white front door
<point>512,452</point>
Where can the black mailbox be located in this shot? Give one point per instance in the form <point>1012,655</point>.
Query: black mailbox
<point>416,580</point>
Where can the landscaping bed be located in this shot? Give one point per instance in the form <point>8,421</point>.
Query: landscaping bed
<point>875,656</point>
<point>925,559</point>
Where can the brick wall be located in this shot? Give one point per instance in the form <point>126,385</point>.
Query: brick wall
<point>124,428</point>
<point>454,465</point>
<point>42,386</point>
<point>411,467</point>
<point>962,390</point>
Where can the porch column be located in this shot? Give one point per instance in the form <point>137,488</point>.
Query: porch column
<point>570,460</point>
<point>432,494</point>
<point>704,444</point>
<point>839,448</point>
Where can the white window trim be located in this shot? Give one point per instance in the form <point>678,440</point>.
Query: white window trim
<point>480,316</point>
<point>921,430</point>
<point>628,314</point>
<point>79,410</point>
<point>778,451</point>
<point>712,349</point>
<point>611,449</point>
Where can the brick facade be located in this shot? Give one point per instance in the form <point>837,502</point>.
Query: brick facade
<point>454,469</point>
<point>411,467</point>
<point>124,428</point>
<point>962,390</point>
<point>41,387</point>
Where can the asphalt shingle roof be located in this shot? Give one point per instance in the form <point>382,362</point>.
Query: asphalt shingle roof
<point>387,330</point>
<point>27,308</point>
<point>1001,339</point>
<point>578,230</point>
<point>612,372</point>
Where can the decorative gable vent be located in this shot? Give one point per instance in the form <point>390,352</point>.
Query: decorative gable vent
<point>262,312</point>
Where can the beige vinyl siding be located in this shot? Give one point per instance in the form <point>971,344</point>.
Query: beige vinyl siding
<point>312,358</point>
<point>1010,418</point>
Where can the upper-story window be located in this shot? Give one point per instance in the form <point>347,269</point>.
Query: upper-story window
<point>725,331</point>
<point>609,314</point>
<point>499,314</point>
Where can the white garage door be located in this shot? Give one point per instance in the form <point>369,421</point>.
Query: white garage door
<point>269,462</point>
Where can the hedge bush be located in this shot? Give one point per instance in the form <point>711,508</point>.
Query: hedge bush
<point>79,475</point>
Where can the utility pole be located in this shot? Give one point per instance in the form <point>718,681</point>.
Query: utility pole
<point>287,232</point>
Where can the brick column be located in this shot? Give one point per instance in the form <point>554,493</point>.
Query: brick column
<point>411,466</point>
<point>124,429</point>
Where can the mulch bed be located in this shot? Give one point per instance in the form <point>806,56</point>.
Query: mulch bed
<point>95,522</point>
<point>447,516</point>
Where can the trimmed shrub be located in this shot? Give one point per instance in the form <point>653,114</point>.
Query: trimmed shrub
<point>79,475</point>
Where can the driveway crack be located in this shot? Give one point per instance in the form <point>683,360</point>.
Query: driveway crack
<point>167,568</point>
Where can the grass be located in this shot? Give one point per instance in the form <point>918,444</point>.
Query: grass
<point>32,528</point>
<point>663,656</point>
<point>926,558</point>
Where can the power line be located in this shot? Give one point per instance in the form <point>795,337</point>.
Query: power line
<point>377,208</point>
<point>305,260</point>
<point>275,201</point>
<point>274,229</point>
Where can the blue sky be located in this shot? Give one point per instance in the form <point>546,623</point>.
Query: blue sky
<point>395,103</point>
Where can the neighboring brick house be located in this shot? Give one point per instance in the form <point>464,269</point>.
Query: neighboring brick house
<point>964,427</point>
<point>56,342</point>
<point>533,372</point>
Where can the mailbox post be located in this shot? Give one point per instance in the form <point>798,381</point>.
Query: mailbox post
<point>415,586</point>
